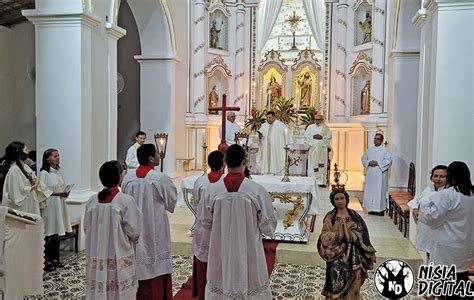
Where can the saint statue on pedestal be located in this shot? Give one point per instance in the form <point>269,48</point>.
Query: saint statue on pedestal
<point>305,87</point>
<point>367,27</point>
<point>214,32</point>
<point>365,99</point>
<point>273,89</point>
<point>213,99</point>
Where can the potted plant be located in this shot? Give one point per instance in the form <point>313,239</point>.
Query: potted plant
<point>308,117</point>
<point>258,118</point>
<point>284,110</point>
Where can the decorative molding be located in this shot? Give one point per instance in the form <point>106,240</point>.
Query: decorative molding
<point>379,10</point>
<point>218,5</point>
<point>115,31</point>
<point>376,101</point>
<point>340,73</point>
<point>340,47</point>
<point>272,57</point>
<point>217,63</point>
<point>359,2</point>
<point>198,48</point>
<point>395,23</point>
<point>241,25</point>
<point>196,75</point>
<point>363,60</point>
<point>339,99</point>
<point>342,22</point>
<point>404,54</point>
<point>420,18</point>
<point>241,49</point>
<point>239,75</point>
<point>198,100</point>
<point>378,70</point>
<point>378,42</point>
<point>238,99</point>
<point>200,19</point>
<point>306,57</point>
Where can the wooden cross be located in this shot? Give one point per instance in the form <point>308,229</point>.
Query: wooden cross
<point>224,109</point>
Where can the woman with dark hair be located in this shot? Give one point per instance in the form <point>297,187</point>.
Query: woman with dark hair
<point>112,227</point>
<point>345,246</point>
<point>424,234</point>
<point>450,212</point>
<point>21,187</point>
<point>56,219</point>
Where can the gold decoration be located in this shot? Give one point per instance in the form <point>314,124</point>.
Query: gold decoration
<point>362,60</point>
<point>290,215</point>
<point>217,63</point>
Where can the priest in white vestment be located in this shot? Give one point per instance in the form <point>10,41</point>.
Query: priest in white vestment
<point>318,137</point>
<point>156,195</point>
<point>231,128</point>
<point>424,234</point>
<point>200,245</point>
<point>271,155</point>
<point>131,160</point>
<point>55,215</point>
<point>112,227</point>
<point>21,188</point>
<point>238,211</point>
<point>450,214</point>
<point>377,161</point>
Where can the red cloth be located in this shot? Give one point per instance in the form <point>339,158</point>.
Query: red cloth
<point>199,278</point>
<point>158,288</point>
<point>214,176</point>
<point>142,170</point>
<point>113,191</point>
<point>269,247</point>
<point>233,181</point>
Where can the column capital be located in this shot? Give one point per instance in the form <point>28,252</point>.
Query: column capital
<point>155,58</point>
<point>115,31</point>
<point>58,18</point>
<point>419,19</point>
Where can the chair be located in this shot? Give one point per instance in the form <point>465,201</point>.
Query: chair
<point>74,234</point>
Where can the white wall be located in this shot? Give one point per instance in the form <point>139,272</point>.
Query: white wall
<point>17,90</point>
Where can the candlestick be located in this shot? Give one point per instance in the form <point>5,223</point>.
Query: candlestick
<point>204,152</point>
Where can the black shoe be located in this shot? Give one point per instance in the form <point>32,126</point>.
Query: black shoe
<point>57,264</point>
<point>382,213</point>
<point>49,267</point>
<point>372,213</point>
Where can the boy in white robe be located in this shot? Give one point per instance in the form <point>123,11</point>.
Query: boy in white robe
<point>238,211</point>
<point>131,160</point>
<point>376,160</point>
<point>112,227</point>
<point>155,195</point>
<point>201,235</point>
<point>271,155</point>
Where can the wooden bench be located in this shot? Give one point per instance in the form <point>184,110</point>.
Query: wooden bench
<point>74,234</point>
<point>398,208</point>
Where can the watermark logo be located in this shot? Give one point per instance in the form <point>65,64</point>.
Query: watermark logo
<point>394,278</point>
<point>441,280</point>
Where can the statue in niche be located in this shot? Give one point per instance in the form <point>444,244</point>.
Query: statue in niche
<point>305,87</point>
<point>367,27</point>
<point>215,40</point>
<point>213,99</point>
<point>273,89</point>
<point>365,99</point>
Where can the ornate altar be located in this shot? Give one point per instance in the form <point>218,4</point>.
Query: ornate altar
<point>294,203</point>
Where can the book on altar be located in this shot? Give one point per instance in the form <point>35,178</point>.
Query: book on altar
<point>68,188</point>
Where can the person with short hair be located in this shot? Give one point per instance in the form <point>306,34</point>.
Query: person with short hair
<point>112,227</point>
<point>271,155</point>
<point>231,128</point>
<point>376,160</point>
<point>318,137</point>
<point>155,195</point>
<point>201,235</point>
<point>131,160</point>
<point>237,211</point>
<point>55,215</point>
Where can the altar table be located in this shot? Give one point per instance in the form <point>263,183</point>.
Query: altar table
<point>294,202</point>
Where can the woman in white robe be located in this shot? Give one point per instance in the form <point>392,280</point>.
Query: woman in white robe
<point>112,227</point>
<point>424,234</point>
<point>56,219</point>
<point>21,188</point>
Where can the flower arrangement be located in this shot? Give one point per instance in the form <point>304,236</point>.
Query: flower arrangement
<point>284,110</point>
<point>258,118</point>
<point>308,117</point>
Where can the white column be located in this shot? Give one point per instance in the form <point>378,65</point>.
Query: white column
<point>446,109</point>
<point>63,88</point>
<point>114,33</point>
<point>378,103</point>
<point>341,103</point>
<point>199,96</point>
<point>239,92</point>
<point>157,103</point>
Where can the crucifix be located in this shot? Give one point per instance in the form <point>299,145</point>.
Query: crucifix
<point>224,109</point>
<point>294,21</point>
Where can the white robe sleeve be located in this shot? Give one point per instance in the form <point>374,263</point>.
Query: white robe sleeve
<point>415,203</point>
<point>131,160</point>
<point>308,134</point>
<point>365,160</point>
<point>168,192</point>
<point>131,220</point>
<point>327,139</point>
<point>43,178</point>
<point>434,209</point>
<point>266,216</point>
<point>386,162</point>
<point>206,210</point>
<point>14,187</point>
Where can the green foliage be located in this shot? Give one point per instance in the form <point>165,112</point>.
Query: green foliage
<point>284,110</point>
<point>258,118</point>
<point>308,117</point>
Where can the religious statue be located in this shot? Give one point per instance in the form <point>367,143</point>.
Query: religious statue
<point>214,32</point>
<point>367,27</point>
<point>273,89</point>
<point>365,99</point>
<point>305,87</point>
<point>213,99</point>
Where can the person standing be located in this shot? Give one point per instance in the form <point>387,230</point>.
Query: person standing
<point>155,195</point>
<point>231,128</point>
<point>21,188</point>
<point>237,211</point>
<point>377,161</point>
<point>318,137</point>
<point>56,219</point>
<point>112,227</point>
<point>131,160</point>
<point>271,155</point>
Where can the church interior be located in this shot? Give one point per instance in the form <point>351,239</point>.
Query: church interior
<point>84,76</point>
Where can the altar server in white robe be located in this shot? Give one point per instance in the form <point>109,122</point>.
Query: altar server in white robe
<point>155,195</point>
<point>112,227</point>
<point>200,245</point>
<point>450,214</point>
<point>271,155</point>
<point>231,128</point>
<point>131,160</point>
<point>377,161</point>
<point>21,188</point>
<point>238,211</point>
<point>318,137</point>
<point>55,215</point>
<point>424,234</point>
